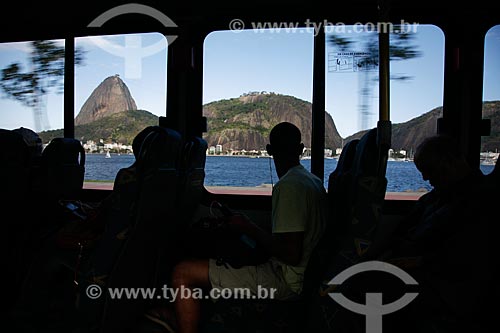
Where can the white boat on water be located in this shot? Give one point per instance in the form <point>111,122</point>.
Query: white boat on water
<point>108,155</point>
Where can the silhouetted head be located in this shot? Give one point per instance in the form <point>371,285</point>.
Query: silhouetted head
<point>285,146</point>
<point>440,161</point>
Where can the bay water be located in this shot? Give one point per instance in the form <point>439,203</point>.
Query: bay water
<point>402,176</point>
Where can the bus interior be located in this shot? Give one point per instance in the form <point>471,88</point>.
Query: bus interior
<point>365,80</point>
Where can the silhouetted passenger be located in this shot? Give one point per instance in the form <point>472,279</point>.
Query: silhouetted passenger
<point>298,220</point>
<point>48,289</point>
<point>443,244</point>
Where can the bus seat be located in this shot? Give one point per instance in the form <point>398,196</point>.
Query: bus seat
<point>14,176</point>
<point>356,196</point>
<point>193,176</point>
<point>152,227</point>
<point>367,193</point>
<point>340,194</point>
<point>363,193</point>
<point>14,164</point>
<point>370,183</point>
<point>191,190</point>
<point>339,217</point>
<point>119,213</point>
<point>63,169</point>
<point>94,263</point>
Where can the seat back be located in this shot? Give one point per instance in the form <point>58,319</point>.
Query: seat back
<point>340,201</point>
<point>369,186</point>
<point>152,227</point>
<point>192,177</point>
<point>340,191</point>
<point>14,164</point>
<point>190,193</point>
<point>63,168</point>
<point>356,192</point>
<point>366,183</point>
<point>14,200</point>
<point>120,212</point>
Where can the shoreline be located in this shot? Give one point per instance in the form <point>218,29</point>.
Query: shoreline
<point>264,189</point>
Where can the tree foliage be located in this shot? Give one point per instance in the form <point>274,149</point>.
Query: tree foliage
<point>46,72</point>
<point>402,46</point>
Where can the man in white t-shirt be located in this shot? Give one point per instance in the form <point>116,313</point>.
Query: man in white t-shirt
<point>298,220</point>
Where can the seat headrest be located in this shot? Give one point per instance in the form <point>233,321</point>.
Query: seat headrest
<point>346,158</point>
<point>195,153</point>
<point>15,151</point>
<point>64,151</point>
<point>344,164</point>
<point>367,154</point>
<point>160,147</point>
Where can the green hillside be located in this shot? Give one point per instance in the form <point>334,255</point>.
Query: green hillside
<point>245,122</point>
<point>239,113</point>
<point>120,127</point>
<point>409,134</point>
<point>491,110</point>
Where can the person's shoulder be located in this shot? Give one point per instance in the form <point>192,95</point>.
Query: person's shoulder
<point>426,200</point>
<point>294,175</point>
<point>310,175</point>
<point>305,180</point>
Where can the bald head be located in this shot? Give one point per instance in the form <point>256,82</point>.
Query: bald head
<point>285,147</point>
<point>441,161</point>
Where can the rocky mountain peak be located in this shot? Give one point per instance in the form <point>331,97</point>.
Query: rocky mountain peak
<point>110,97</point>
<point>246,121</point>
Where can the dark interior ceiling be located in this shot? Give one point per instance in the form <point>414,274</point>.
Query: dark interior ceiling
<point>51,19</point>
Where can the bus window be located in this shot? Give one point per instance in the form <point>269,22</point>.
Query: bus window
<point>252,80</point>
<point>31,85</point>
<point>416,93</point>
<point>119,91</point>
<point>491,99</point>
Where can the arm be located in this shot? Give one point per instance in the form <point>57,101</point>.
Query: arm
<point>286,246</point>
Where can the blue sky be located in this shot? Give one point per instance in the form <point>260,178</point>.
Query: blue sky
<point>145,79</point>
<point>236,63</point>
